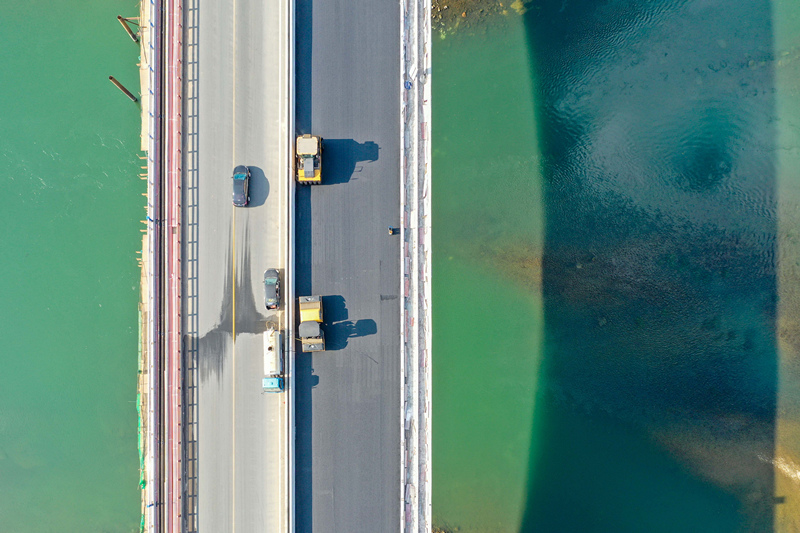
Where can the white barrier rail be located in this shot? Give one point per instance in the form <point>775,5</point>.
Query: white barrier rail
<point>416,266</point>
<point>153,23</point>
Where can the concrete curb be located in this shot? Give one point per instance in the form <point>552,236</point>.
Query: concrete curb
<point>289,292</point>
<point>416,265</point>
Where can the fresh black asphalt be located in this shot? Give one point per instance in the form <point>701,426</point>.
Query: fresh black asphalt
<point>348,397</point>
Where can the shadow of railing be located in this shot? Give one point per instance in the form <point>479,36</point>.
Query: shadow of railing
<point>305,379</point>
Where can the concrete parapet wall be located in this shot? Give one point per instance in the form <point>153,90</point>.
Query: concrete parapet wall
<point>148,383</point>
<point>416,265</point>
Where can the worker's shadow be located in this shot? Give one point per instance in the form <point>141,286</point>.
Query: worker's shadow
<point>341,158</point>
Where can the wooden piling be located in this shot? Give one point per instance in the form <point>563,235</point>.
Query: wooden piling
<point>123,89</point>
<point>122,20</point>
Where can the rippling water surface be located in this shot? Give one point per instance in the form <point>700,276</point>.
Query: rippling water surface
<point>627,193</point>
<point>70,212</point>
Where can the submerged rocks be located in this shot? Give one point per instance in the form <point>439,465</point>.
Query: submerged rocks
<point>449,16</point>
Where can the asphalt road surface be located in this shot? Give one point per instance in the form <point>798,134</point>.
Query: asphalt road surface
<point>348,397</point>
<point>237,482</point>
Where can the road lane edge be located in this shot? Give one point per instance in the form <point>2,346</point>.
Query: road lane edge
<point>289,294</point>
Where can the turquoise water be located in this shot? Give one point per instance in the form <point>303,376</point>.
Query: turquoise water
<point>488,306</point>
<point>608,341</point>
<point>70,212</point>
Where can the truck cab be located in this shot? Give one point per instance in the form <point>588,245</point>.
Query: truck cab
<point>272,384</point>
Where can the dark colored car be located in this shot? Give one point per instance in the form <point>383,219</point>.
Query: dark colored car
<point>272,288</point>
<point>241,186</point>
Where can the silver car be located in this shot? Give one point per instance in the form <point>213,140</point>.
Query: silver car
<point>272,288</point>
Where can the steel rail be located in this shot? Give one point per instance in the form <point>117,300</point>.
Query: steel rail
<point>173,444</point>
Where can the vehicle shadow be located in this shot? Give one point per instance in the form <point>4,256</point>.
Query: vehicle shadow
<point>340,158</point>
<point>259,187</point>
<point>340,332</point>
<point>335,308</point>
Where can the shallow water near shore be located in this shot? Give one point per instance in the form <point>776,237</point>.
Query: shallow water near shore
<point>615,269</point>
<point>70,214</point>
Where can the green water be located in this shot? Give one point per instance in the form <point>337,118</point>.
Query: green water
<point>608,343</point>
<point>71,207</point>
<point>488,312</point>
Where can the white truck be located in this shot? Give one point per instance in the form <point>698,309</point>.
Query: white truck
<point>273,361</point>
